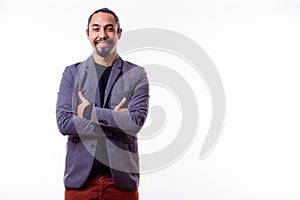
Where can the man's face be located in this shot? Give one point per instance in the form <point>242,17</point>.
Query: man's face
<point>102,34</point>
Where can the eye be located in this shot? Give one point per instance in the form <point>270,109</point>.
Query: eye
<point>96,29</point>
<point>109,29</point>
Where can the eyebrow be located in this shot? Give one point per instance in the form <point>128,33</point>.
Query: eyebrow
<point>100,25</point>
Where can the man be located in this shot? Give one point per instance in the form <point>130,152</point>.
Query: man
<point>102,104</point>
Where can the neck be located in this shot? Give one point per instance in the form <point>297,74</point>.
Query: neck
<point>105,61</point>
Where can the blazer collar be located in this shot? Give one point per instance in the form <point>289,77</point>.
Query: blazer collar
<point>116,71</point>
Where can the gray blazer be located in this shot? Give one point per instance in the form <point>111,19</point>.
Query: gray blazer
<point>120,128</point>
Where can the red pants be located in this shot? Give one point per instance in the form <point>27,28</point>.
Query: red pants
<point>100,187</point>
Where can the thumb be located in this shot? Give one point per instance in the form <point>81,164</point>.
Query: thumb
<point>122,102</point>
<point>82,98</point>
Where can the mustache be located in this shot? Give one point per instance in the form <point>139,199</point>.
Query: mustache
<point>99,40</point>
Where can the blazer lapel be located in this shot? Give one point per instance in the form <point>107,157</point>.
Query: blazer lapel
<point>92,92</point>
<point>116,71</point>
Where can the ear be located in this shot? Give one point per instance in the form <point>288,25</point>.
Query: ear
<point>87,32</point>
<point>119,33</point>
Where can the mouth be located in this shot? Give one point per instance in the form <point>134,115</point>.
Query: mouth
<point>102,43</point>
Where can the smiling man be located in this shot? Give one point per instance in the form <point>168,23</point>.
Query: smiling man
<point>102,104</point>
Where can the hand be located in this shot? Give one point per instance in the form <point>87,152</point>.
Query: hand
<point>84,103</point>
<point>119,108</point>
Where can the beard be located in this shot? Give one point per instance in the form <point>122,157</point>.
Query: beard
<point>106,50</point>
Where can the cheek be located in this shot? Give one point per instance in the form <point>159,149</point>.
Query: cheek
<point>91,36</point>
<point>91,39</point>
<point>115,40</point>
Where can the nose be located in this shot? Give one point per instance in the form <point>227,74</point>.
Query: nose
<point>102,34</point>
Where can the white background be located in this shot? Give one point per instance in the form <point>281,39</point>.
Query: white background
<point>255,47</point>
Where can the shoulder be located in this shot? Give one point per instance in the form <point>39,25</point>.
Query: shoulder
<point>73,68</point>
<point>71,71</point>
<point>133,68</point>
<point>134,73</point>
<point>130,65</point>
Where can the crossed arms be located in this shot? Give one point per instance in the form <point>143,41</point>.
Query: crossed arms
<point>129,120</point>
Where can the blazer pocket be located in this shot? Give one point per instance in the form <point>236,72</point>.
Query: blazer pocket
<point>116,97</point>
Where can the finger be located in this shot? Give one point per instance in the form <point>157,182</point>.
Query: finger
<point>82,98</point>
<point>123,110</point>
<point>122,102</point>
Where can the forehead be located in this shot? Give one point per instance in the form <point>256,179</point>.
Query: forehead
<point>102,19</point>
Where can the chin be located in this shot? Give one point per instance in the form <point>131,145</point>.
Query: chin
<point>103,53</point>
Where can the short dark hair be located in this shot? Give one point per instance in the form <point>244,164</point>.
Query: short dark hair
<point>105,10</point>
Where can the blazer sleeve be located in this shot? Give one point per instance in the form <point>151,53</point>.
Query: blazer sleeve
<point>67,121</point>
<point>132,121</point>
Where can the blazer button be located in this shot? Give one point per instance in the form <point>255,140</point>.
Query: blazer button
<point>93,146</point>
